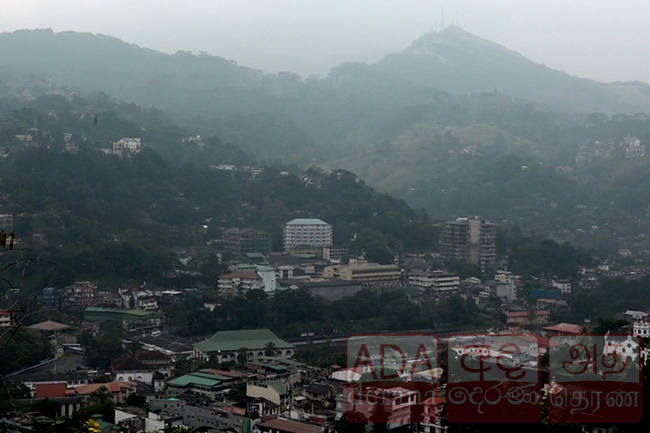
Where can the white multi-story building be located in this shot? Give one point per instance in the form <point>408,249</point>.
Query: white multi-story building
<point>439,281</point>
<point>237,283</point>
<point>563,285</point>
<point>504,277</point>
<point>307,232</point>
<point>133,145</point>
<point>266,273</point>
<point>642,328</point>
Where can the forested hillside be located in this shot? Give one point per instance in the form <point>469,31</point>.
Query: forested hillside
<point>95,214</point>
<point>416,124</point>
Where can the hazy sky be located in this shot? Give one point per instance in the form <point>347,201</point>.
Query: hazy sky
<point>606,40</point>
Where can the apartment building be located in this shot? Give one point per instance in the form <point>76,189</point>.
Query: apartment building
<point>439,281</point>
<point>470,240</point>
<point>243,241</point>
<point>307,232</point>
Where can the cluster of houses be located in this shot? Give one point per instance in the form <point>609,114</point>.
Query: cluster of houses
<point>630,146</point>
<point>322,272</point>
<point>245,381</point>
<point>262,387</point>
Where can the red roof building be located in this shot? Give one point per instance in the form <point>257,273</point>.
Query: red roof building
<point>50,390</point>
<point>562,329</point>
<point>279,425</point>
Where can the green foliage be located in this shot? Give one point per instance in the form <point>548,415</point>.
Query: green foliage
<point>388,122</point>
<point>103,348</point>
<point>26,347</point>
<point>295,312</point>
<point>530,255</point>
<point>123,220</point>
<point>373,245</point>
<point>46,407</point>
<point>612,296</point>
<point>99,402</point>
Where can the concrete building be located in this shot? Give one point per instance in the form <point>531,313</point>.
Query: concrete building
<point>642,328</point>
<point>438,281</point>
<point>238,283</point>
<point>78,296</point>
<point>563,285</point>
<point>129,320</point>
<point>368,275</point>
<point>331,289</point>
<point>507,292</point>
<point>243,241</point>
<point>536,317</point>
<point>307,232</point>
<point>470,240</point>
<point>133,145</point>
<point>266,273</point>
<point>505,277</point>
<point>225,345</point>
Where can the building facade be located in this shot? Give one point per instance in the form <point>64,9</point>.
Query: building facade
<point>438,281</point>
<point>307,232</point>
<point>133,145</point>
<point>370,275</point>
<point>470,240</point>
<point>243,241</point>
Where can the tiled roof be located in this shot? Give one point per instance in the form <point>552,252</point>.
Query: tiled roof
<point>152,355</point>
<point>113,387</point>
<point>285,425</point>
<point>50,390</point>
<point>127,363</point>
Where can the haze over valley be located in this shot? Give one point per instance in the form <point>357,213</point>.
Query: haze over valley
<point>432,124</point>
<point>195,236</point>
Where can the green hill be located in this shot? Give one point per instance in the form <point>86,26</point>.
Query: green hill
<point>438,124</point>
<point>97,215</point>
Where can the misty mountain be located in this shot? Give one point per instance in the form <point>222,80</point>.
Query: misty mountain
<point>458,62</point>
<point>352,100</point>
<point>439,80</point>
<point>447,124</point>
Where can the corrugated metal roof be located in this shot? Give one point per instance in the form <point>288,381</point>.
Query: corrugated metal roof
<point>232,341</point>
<point>192,379</point>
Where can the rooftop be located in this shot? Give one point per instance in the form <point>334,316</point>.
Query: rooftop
<point>241,275</point>
<point>306,222</point>
<point>49,325</point>
<point>193,379</point>
<point>568,328</point>
<point>232,341</point>
<point>286,425</point>
<point>527,313</point>
<point>50,390</point>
